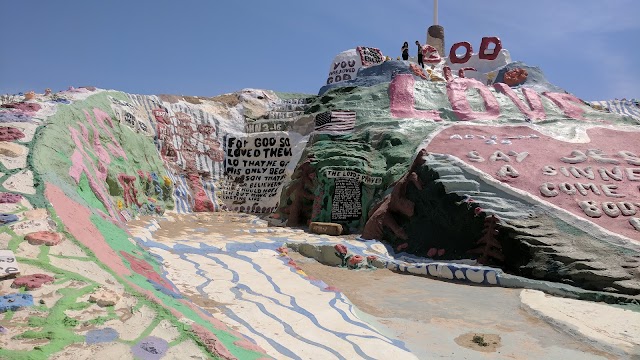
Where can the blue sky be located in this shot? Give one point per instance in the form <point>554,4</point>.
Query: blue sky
<point>207,48</point>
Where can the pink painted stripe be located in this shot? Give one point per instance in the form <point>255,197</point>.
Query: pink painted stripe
<point>77,220</point>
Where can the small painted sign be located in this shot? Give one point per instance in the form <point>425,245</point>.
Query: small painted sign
<point>8,264</point>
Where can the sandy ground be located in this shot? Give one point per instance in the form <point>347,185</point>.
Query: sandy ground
<point>439,319</point>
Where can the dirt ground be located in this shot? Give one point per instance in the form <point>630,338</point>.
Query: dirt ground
<point>222,223</point>
<point>442,318</point>
<point>479,342</point>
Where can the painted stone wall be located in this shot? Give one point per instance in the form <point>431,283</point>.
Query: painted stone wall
<point>83,147</point>
<point>525,176</point>
<point>191,135</point>
<point>398,106</point>
<point>76,170</point>
<point>101,158</point>
<point>392,118</point>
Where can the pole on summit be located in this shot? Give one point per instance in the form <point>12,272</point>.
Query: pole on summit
<point>435,12</point>
<point>435,33</point>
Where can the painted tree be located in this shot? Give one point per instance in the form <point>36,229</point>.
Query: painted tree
<point>489,247</point>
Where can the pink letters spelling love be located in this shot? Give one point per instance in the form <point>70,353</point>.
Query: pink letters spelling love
<point>402,101</point>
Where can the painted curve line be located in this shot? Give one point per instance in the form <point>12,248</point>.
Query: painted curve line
<point>205,250</point>
<point>206,283</point>
<point>182,250</point>
<point>229,313</point>
<point>340,296</point>
<point>297,308</point>
<point>150,244</point>
<point>236,279</point>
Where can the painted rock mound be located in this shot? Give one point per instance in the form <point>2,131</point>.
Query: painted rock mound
<point>447,162</point>
<point>523,177</point>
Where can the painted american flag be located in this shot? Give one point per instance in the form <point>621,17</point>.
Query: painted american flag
<point>336,121</point>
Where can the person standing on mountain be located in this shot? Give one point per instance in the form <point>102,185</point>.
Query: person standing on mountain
<point>420,59</point>
<point>405,51</point>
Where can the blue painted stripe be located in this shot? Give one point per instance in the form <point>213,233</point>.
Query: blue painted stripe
<point>210,190</point>
<point>181,193</point>
<point>235,279</point>
<point>185,187</point>
<point>281,349</point>
<point>180,196</point>
<point>621,107</point>
<point>293,305</point>
<point>207,251</point>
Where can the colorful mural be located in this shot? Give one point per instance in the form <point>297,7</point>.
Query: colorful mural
<point>104,248</point>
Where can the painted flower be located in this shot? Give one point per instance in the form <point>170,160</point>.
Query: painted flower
<point>355,260</point>
<point>341,249</point>
<point>371,258</point>
<point>32,281</point>
<point>120,204</point>
<point>167,181</point>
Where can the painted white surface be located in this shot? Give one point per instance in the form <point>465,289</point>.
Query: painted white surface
<point>610,328</point>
